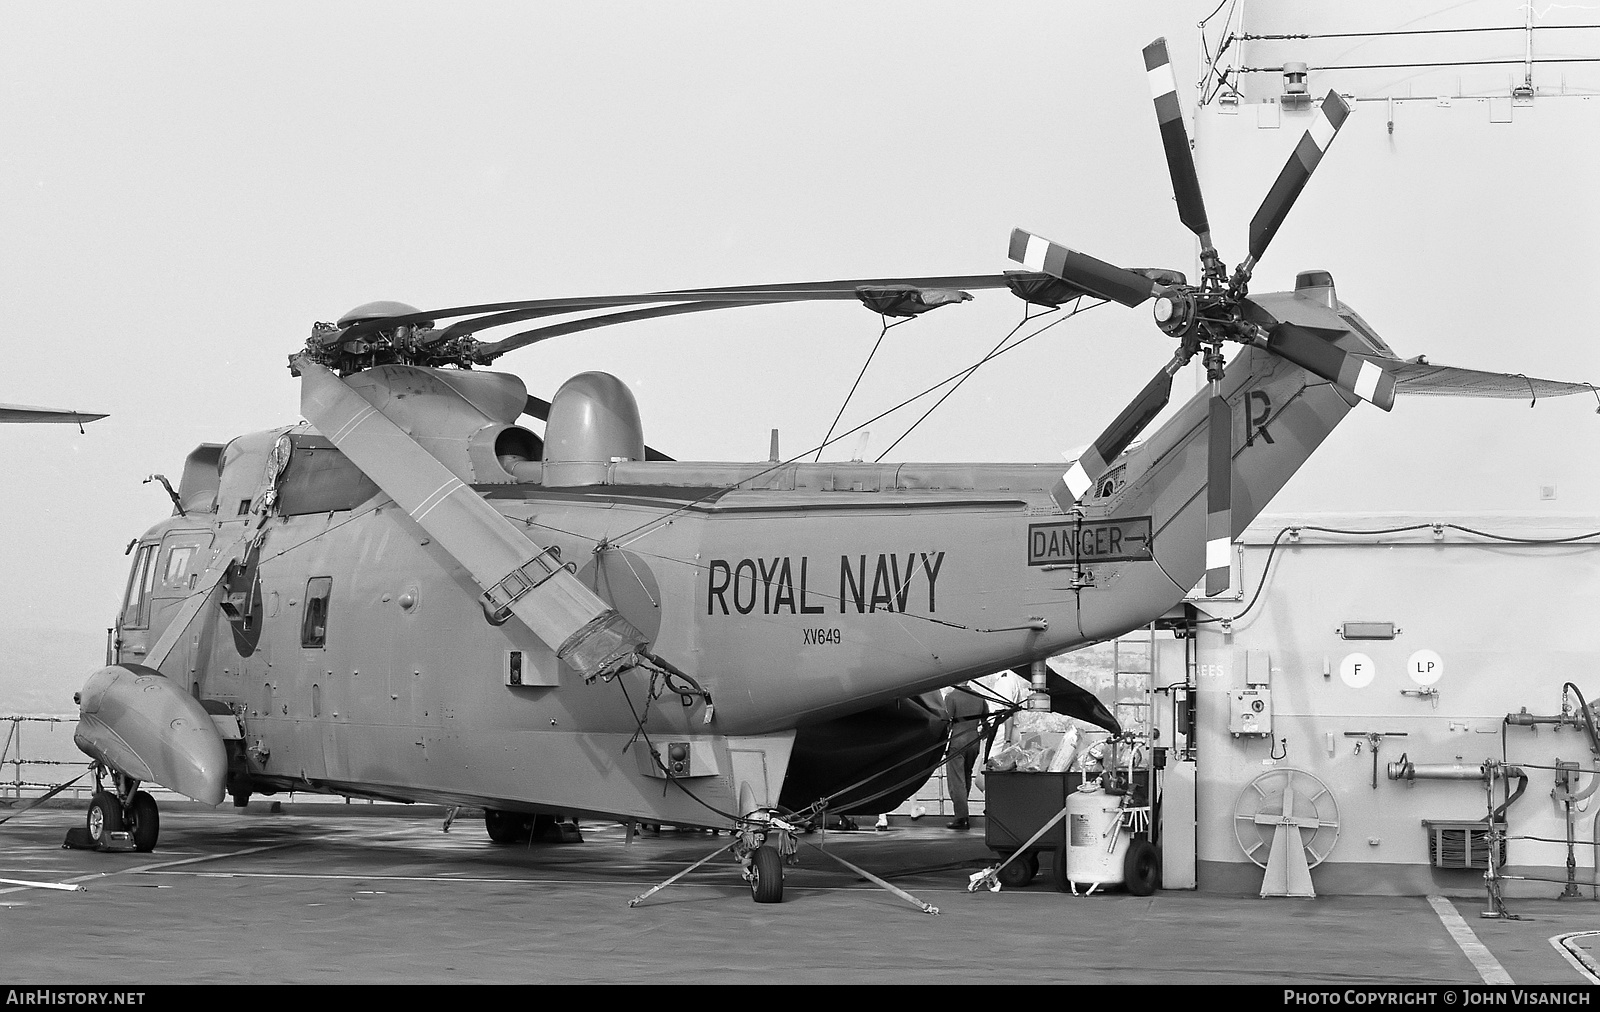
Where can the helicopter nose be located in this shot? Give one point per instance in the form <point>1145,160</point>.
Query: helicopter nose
<point>142,723</point>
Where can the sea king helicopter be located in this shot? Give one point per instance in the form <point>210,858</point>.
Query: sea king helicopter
<point>413,596</point>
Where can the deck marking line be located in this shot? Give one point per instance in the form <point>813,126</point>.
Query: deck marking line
<point>1482,959</point>
<point>341,877</point>
<point>65,886</point>
<point>165,864</point>
<point>1565,944</point>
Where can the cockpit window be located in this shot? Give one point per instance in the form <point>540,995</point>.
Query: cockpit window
<point>136,606</point>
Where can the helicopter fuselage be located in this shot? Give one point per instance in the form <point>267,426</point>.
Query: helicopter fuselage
<point>358,657</point>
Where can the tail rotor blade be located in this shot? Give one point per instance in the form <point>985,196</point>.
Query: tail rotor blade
<point>1219,495</point>
<point>1352,373</point>
<point>1096,277</point>
<point>1180,159</point>
<point>1097,459</point>
<point>1330,117</point>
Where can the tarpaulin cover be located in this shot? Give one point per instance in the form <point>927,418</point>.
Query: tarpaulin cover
<point>908,300</point>
<point>1073,700</point>
<point>1041,289</point>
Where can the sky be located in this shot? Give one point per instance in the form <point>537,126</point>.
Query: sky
<point>185,188</point>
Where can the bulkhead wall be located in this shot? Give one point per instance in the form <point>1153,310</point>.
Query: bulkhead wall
<point>1483,628</point>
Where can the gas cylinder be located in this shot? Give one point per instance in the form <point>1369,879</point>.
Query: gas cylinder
<point>1096,846</point>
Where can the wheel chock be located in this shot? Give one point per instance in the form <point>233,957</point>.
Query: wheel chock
<point>119,842</point>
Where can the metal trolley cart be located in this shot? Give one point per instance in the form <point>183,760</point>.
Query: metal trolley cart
<point>1095,836</point>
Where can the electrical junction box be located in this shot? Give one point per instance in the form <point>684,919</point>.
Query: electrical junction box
<point>1250,712</point>
<point>695,757</point>
<point>520,671</point>
<point>1250,708</point>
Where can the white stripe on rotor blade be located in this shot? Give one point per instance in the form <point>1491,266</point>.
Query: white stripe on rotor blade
<point>1321,131</point>
<point>1162,80</point>
<point>1033,256</point>
<point>1077,480</point>
<point>439,495</point>
<point>1217,552</point>
<point>1367,380</point>
<point>354,423</point>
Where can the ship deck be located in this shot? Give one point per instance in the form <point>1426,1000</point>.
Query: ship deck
<point>336,894</point>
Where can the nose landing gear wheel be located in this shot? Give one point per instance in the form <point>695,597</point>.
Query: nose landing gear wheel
<point>144,822</point>
<point>766,875</point>
<point>105,817</point>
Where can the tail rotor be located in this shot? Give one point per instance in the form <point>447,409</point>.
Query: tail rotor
<point>1204,316</point>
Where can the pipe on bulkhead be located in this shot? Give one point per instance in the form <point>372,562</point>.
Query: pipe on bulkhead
<point>1405,769</point>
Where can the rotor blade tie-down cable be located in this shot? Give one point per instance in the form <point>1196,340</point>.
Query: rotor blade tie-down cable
<point>966,375</point>
<point>884,320</point>
<point>926,908</point>
<point>667,517</point>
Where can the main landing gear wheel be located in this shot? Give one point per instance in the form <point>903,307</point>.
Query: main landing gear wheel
<point>507,827</point>
<point>105,817</point>
<point>144,822</point>
<point>766,875</point>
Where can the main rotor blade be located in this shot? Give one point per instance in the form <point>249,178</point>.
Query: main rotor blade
<point>1330,117</point>
<point>1180,159</point>
<point>1424,378</point>
<point>1219,494</point>
<point>1096,277</point>
<point>1097,459</point>
<point>1352,373</point>
<point>27,413</point>
<point>496,314</point>
<point>493,350</point>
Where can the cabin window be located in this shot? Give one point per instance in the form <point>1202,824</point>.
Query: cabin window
<point>314,627</point>
<point>177,568</point>
<point>136,605</point>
